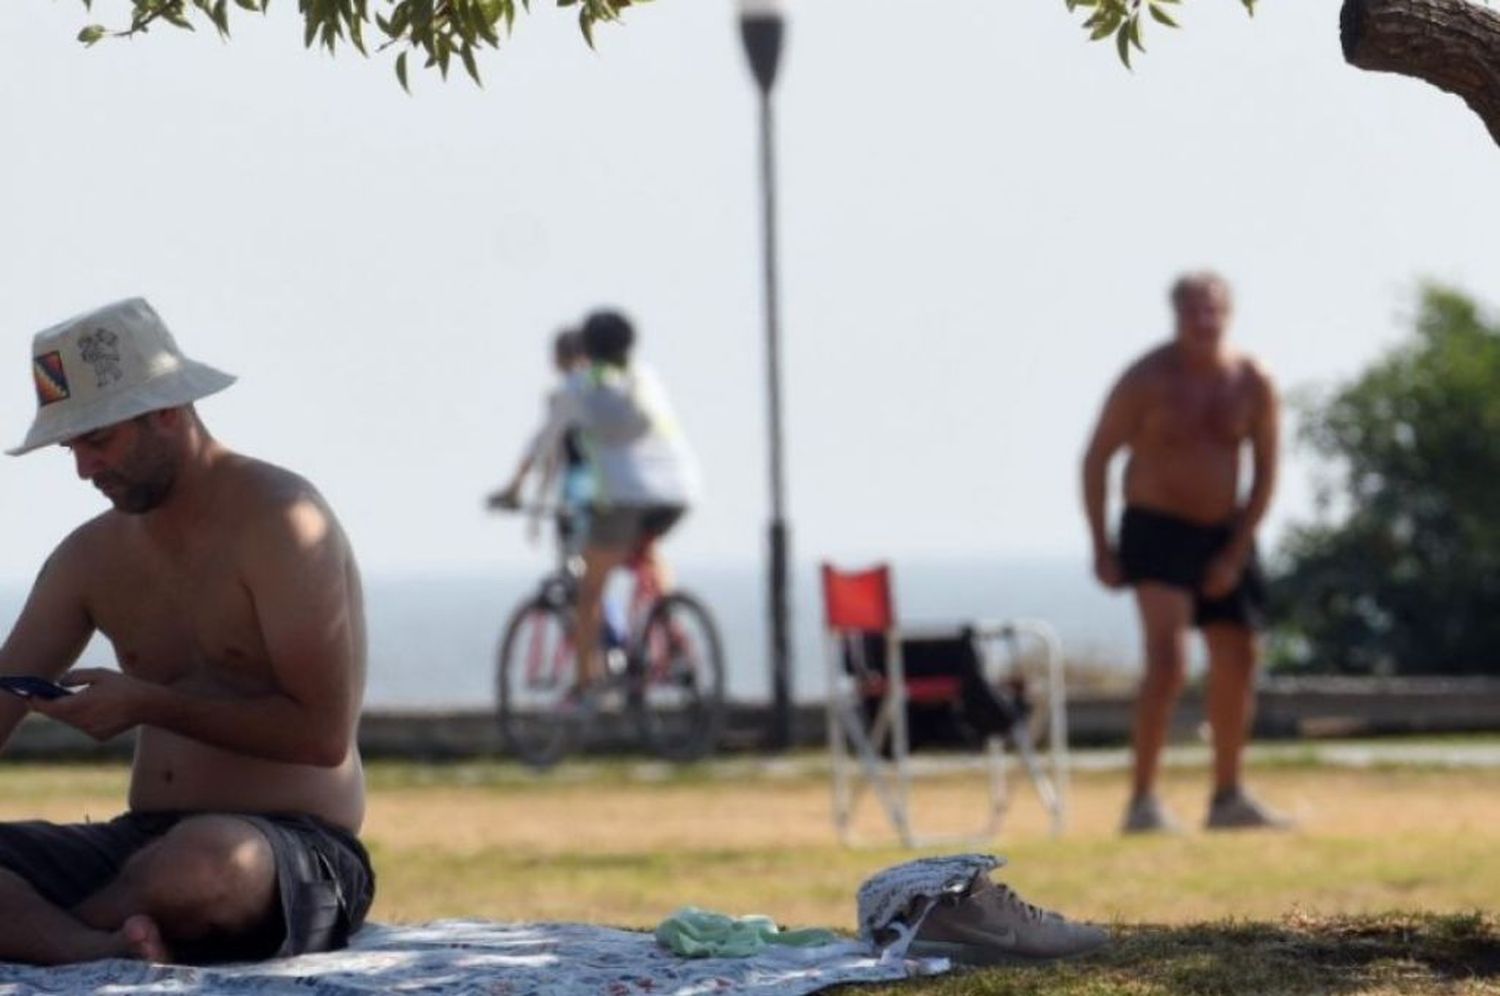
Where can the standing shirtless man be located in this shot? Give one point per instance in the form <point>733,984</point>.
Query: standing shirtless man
<point>1186,543</point>
<point>233,604</point>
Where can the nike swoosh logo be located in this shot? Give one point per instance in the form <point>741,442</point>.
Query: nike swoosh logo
<point>1004,937</point>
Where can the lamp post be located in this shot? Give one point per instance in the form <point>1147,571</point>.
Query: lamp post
<point>763,29</point>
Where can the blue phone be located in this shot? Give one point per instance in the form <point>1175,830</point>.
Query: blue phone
<point>27,687</point>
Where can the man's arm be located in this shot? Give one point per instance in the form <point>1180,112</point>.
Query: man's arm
<point>1265,448</point>
<point>52,631</point>
<point>1117,423</point>
<point>299,573</point>
<point>1225,570</point>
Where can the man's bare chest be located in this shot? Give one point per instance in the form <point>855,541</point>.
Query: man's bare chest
<point>188,622</point>
<point>1186,413</point>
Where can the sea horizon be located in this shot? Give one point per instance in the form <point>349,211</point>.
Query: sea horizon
<point>433,633</point>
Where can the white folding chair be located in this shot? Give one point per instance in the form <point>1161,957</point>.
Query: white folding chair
<point>870,695</point>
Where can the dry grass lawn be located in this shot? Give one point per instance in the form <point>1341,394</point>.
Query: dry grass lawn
<point>1409,854</point>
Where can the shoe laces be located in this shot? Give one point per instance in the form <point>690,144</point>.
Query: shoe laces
<point>1000,896</point>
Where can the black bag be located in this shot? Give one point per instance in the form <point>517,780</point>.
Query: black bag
<point>977,711</point>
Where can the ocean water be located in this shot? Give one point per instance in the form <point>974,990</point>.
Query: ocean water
<point>433,637</point>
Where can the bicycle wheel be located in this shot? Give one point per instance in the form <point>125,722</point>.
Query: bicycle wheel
<point>677,679</point>
<point>534,671</point>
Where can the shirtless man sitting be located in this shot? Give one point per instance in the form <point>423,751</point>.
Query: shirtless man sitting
<point>1186,543</point>
<point>233,604</point>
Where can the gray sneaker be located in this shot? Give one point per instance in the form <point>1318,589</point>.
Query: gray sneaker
<point>1146,814</point>
<point>991,925</point>
<point>1239,810</point>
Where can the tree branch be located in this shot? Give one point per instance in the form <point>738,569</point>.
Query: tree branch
<point>436,30</point>
<point>1452,44</point>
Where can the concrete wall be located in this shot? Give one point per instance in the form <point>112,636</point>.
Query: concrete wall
<point>1287,709</point>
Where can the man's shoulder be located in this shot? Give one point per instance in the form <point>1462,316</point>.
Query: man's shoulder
<point>1150,366</point>
<point>1253,368</point>
<point>266,483</point>
<point>265,496</point>
<point>1253,373</point>
<point>90,542</point>
<point>279,521</point>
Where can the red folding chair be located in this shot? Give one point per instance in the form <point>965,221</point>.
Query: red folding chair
<point>871,696</point>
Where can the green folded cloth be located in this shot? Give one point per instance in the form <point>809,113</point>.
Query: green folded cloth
<point>695,933</point>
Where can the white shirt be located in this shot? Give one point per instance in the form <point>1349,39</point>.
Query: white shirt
<point>630,435</point>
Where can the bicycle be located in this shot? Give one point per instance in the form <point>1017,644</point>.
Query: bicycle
<point>664,658</point>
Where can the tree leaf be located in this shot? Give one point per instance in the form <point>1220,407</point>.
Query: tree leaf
<point>467,55</point>
<point>586,25</point>
<point>177,18</point>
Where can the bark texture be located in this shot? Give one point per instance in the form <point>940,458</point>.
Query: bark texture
<point>1452,44</point>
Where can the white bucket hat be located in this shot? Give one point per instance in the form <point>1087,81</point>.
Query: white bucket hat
<point>109,366</point>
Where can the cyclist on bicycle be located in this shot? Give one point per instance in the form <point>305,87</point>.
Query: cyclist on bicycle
<point>644,474</point>
<point>561,460</point>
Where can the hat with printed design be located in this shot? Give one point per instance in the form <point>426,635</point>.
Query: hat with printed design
<point>109,366</point>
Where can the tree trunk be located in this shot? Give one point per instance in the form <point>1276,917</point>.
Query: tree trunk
<point>1452,44</point>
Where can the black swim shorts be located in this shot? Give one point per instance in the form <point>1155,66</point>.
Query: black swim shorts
<point>323,873</point>
<point>1169,550</point>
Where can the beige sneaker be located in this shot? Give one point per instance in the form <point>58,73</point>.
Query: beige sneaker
<point>991,925</point>
<point>1146,814</point>
<point>1239,810</point>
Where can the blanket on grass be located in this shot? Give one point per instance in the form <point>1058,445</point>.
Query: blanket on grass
<point>477,958</point>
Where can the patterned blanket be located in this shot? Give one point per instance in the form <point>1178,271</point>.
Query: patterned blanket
<point>477,958</point>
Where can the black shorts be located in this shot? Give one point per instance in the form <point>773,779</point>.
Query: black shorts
<point>1168,550</point>
<point>629,526</point>
<point>323,873</point>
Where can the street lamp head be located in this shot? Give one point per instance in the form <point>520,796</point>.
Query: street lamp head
<point>763,28</point>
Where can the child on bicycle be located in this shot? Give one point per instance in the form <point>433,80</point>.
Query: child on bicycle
<point>560,461</point>
<point>643,473</point>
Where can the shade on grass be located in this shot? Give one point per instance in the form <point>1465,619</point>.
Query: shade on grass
<point>1406,954</point>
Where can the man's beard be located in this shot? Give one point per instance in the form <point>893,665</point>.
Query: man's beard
<point>143,485</point>
<point>135,497</point>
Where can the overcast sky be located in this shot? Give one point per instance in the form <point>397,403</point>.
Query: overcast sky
<point>981,214</point>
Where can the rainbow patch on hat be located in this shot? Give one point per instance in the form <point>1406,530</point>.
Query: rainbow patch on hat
<point>51,379</point>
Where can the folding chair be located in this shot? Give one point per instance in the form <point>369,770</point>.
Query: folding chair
<point>879,674</point>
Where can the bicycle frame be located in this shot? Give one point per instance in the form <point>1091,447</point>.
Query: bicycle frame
<point>662,653</point>
<point>559,587</point>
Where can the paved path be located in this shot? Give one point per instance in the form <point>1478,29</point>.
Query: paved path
<point>1457,754</point>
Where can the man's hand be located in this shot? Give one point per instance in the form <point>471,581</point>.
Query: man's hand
<point>110,704</point>
<point>1223,574</point>
<point>1107,568</point>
